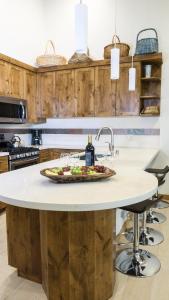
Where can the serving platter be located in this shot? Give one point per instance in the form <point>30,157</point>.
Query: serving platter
<point>77,174</point>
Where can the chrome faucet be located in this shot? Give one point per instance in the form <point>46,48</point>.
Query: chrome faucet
<point>111,144</point>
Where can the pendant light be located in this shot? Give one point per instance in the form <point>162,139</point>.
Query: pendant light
<point>81,27</point>
<point>115,52</point>
<point>132,77</point>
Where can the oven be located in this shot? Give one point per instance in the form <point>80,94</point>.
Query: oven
<point>23,162</point>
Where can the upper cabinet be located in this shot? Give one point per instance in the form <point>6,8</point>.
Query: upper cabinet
<point>64,103</point>
<point>105,92</point>
<point>46,94</point>
<point>16,82</point>
<point>84,91</point>
<point>4,79</point>
<point>128,102</point>
<point>31,95</point>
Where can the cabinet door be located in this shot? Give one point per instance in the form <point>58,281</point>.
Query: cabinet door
<point>127,102</point>
<point>84,91</point>
<point>46,93</point>
<point>4,79</point>
<point>105,92</point>
<point>30,95</point>
<point>65,98</point>
<point>16,82</point>
<point>44,155</point>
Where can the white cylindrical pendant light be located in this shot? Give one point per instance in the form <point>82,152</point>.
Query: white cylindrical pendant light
<point>81,27</point>
<point>115,63</point>
<point>132,79</point>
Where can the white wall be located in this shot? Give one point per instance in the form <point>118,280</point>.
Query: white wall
<point>22,29</point>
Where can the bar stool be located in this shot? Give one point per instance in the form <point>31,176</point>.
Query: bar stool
<point>148,236</point>
<point>154,217</point>
<point>137,262</point>
<point>160,174</point>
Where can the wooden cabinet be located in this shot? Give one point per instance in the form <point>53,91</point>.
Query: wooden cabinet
<point>3,168</point>
<point>44,155</point>
<point>65,105</point>
<point>16,82</point>
<point>105,92</point>
<point>4,79</point>
<point>127,102</point>
<point>31,96</point>
<point>46,93</point>
<point>84,91</point>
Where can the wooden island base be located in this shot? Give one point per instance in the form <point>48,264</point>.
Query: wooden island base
<point>70,253</point>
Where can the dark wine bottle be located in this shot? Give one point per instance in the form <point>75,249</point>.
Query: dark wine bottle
<point>90,152</point>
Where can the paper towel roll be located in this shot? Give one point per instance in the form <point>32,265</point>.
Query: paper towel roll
<point>115,63</point>
<point>132,79</point>
<point>81,28</point>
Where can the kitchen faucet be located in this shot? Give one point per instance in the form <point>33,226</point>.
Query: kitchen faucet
<point>111,144</point>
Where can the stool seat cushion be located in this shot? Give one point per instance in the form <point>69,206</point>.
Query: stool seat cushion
<point>158,171</point>
<point>140,207</point>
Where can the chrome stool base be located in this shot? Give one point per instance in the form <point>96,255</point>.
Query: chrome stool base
<point>161,204</point>
<point>141,264</point>
<point>155,218</point>
<point>148,237</point>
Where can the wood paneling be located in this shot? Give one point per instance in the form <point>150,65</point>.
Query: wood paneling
<point>79,260</point>
<point>46,94</point>
<point>84,92</point>
<point>3,168</point>
<point>16,82</point>
<point>65,96</point>
<point>105,92</point>
<point>127,102</point>
<point>23,238</point>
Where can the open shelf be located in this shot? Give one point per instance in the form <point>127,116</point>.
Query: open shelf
<point>149,97</point>
<point>149,115</point>
<point>151,79</point>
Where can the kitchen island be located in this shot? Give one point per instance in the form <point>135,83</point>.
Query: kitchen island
<point>62,235</point>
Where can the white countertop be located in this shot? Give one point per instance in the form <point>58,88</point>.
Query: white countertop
<point>4,153</point>
<point>27,188</point>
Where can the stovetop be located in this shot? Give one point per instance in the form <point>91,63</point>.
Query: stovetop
<point>20,152</point>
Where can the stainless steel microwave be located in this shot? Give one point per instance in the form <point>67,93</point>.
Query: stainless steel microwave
<point>13,110</point>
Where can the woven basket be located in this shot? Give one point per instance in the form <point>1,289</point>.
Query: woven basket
<point>48,59</point>
<point>147,45</point>
<point>124,48</point>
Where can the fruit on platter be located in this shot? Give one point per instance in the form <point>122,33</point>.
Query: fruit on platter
<point>78,170</point>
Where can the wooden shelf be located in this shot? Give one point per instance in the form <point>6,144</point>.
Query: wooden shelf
<point>149,115</point>
<point>149,97</point>
<point>151,79</point>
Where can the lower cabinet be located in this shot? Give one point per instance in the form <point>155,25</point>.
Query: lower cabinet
<point>51,154</point>
<point>3,168</point>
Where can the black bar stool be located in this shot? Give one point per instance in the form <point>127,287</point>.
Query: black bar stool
<point>148,236</point>
<point>160,174</point>
<point>137,262</point>
<point>154,217</point>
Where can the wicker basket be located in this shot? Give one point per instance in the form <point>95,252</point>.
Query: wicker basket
<point>48,60</point>
<point>124,48</point>
<point>146,45</point>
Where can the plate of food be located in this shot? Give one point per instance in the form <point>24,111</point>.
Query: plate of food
<point>77,174</point>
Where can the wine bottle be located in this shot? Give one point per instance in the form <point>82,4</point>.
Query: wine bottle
<point>90,152</point>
